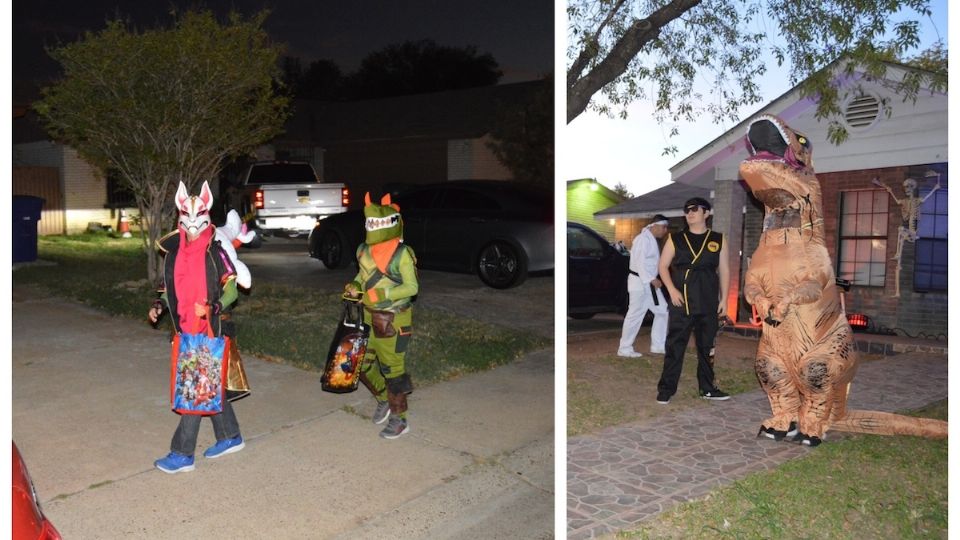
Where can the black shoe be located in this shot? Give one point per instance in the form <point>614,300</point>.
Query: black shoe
<point>716,395</point>
<point>663,399</point>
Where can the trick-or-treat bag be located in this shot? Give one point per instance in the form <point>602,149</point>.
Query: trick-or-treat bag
<point>198,371</point>
<point>237,384</point>
<point>342,370</point>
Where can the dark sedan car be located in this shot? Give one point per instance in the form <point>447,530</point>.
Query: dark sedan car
<point>596,274</point>
<point>498,230</point>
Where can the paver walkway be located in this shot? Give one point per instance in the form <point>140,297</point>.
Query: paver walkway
<point>622,475</point>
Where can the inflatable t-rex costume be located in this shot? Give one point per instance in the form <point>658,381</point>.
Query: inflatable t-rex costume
<point>806,358</point>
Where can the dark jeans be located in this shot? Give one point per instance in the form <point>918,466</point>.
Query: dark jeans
<point>679,327</point>
<point>225,426</point>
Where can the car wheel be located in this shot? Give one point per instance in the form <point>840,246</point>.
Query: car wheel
<point>256,243</point>
<point>501,266</point>
<point>331,250</point>
<point>581,316</point>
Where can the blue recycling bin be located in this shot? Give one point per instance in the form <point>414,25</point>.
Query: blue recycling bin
<point>26,214</point>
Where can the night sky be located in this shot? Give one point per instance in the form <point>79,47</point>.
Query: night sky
<point>519,34</point>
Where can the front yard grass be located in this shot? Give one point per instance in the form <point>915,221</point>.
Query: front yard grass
<point>293,325</point>
<point>605,390</point>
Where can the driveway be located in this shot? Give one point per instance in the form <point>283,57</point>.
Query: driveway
<point>528,307</point>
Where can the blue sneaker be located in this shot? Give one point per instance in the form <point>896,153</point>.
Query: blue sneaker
<point>226,446</point>
<point>174,463</point>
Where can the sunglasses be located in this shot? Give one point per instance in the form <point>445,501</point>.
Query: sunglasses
<point>693,208</point>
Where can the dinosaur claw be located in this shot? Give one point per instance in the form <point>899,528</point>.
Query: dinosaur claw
<point>807,440</point>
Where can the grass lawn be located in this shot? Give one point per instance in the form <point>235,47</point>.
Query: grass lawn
<point>853,487</point>
<point>862,486</point>
<point>605,390</point>
<point>293,325</point>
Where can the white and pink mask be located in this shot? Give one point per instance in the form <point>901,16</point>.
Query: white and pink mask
<point>194,210</point>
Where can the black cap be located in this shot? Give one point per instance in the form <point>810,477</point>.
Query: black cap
<point>658,217</point>
<point>697,201</point>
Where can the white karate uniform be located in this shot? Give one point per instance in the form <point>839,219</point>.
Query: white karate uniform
<point>644,258</point>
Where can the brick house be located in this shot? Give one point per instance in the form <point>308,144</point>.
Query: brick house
<point>862,219</point>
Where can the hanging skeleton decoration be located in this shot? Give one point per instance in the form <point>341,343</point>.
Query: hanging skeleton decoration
<point>806,358</point>
<point>910,212</point>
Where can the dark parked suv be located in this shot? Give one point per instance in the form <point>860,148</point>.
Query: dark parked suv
<point>499,230</point>
<point>596,274</point>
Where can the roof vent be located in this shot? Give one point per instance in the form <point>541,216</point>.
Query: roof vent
<point>862,112</point>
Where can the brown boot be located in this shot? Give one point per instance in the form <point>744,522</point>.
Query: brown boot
<point>397,426</point>
<point>398,402</point>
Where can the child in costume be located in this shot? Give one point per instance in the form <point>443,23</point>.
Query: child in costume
<point>198,287</point>
<point>387,282</point>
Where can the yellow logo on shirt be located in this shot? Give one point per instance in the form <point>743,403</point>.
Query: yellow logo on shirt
<point>713,247</point>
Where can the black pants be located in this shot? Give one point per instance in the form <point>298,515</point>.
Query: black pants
<point>225,426</point>
<point>679,327</point>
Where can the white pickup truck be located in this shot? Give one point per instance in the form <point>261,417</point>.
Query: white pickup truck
<point>288,197</point>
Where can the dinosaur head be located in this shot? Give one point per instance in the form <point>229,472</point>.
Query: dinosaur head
<point>779,169</point>
<point>194,210</point>
<point>779,172</point>
<point>769,138</point>
<point>382,221</point>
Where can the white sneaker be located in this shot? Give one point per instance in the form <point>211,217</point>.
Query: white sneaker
<point>657,351</point>
<point>628,353</point>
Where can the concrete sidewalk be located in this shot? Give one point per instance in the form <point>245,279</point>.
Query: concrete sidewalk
<point>91,413</point>
<point>623,475</point>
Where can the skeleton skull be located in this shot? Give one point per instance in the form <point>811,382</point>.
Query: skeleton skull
<point>909,186</point>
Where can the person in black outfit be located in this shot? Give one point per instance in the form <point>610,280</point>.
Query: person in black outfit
<point>695,271</point>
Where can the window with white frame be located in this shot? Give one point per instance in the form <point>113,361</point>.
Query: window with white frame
<point>930,262</point>
<point>862,257</point>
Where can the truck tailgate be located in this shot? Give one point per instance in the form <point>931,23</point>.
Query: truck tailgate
<point>307,199</point>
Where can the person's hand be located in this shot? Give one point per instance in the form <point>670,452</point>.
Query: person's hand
<point>351,290</point>
<point>154,314</point>
<point>200,310</point>
<point>675,297</point>
<point>721,310</point>
<point>656,283</point>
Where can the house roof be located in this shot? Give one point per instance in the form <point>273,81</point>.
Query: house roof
<point>666,200</point>
<point>914,134</point>
<point>454,114</point>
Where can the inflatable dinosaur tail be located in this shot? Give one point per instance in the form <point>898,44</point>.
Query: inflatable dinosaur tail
<point>881,423</point>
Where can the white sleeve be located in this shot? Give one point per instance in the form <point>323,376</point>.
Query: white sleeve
<point>650,258</point>
<point>636,255</point>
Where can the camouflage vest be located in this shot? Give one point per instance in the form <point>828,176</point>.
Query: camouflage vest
<point>372,278</point>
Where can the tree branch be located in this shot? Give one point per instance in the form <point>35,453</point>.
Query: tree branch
<point>590,46</point>
<point>640,33</point>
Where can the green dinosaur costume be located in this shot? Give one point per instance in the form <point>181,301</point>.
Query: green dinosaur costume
<point>388,281</point>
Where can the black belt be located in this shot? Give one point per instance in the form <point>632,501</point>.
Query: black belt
<point>653,290</point>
